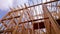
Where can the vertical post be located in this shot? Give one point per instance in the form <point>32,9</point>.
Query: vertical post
<point>53,22</point>
<point>47,23</point>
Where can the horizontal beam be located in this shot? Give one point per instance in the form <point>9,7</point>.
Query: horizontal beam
<point>2,31</point>
<point>32,6</point>
<point>25,21</point>
<point>33,20</point>
<point>18,17</point>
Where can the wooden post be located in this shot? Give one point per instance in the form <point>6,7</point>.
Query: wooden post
<point>53,22</point>
<point>47,23</point>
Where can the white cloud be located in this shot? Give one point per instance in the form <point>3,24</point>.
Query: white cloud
<point>4,4</point>
<point>20,2</point>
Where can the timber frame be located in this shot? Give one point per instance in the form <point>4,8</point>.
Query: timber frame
<point>14,22</point>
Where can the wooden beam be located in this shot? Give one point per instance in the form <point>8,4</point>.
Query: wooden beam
<point>29,20</point>
<point>52,20</point>
<point>33,6</point>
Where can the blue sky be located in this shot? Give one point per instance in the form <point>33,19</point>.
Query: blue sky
<point>4,7</point>
<point>2,13</point>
